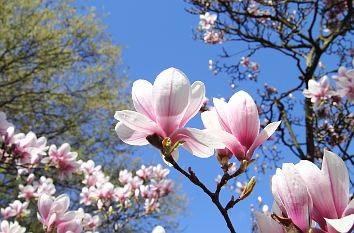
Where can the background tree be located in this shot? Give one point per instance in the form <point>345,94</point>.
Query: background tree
<point>305,32</point>
<point>60,78</point>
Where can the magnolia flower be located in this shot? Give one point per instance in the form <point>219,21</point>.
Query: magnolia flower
<point>162,110</point>
<point>237,124</point>
<point>158,229</point>
<point>11,227</point>
<point>63,159</point>
<point>318,91</point>
<point>345,83</point>
<point>53,211</point>
<point>73,226</point>
<point>207,21</point>
<point>331,184</point>
<point>291,195</point>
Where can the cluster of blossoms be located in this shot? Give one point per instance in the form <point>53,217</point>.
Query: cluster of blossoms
<point>309,199</point>
<point>206,25</point>
<point>149,183</point>
<point>322,90</point>
<point>30,158</point>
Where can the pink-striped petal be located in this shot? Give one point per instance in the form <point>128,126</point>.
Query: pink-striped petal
<point>138,122</point>
<point>243,118</point>
<point>335,170</point>
<point>267,225</point>
<point>290,192</point>
<point>44,205</point>
<point>222,110</point>
<point>130,136</point>
<point>142,98</point>
<point>319,189</point>
<point>200,143</point>
<point>231,143</point>
<point>263,136</point>
<point>195,103</point>
<point>171,94</point>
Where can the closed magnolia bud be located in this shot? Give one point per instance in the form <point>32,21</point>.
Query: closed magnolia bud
<point>248,189</point>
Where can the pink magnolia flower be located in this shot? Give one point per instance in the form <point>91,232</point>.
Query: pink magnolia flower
<point>162,110</point>
<point>144,172</point>
<point>27,191</point>
<point>19,208</point>
<point>207,21</point>
<point>237,124</point>
<point>53,211</point>
<point>7,212</point>
<point>331,183</point>
<point>91,222</point>
<point>318,91</point>
<point>345,83</point>
<point>292,197</point>
<point>62,159</point>
<point>11,227</point>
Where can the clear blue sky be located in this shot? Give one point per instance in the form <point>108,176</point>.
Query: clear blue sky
<point>158,34</point>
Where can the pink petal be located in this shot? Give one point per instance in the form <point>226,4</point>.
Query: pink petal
<point>142,98</point>
<point>243,118</point>
<point>319,189</point>
<point>138,122</point>
<point>199,142</point>
<point>349,209</point>
<point>222,110</point>
<point>210,120</point>
<point>335,170</point>
<point>342,225</point>
<point>314,87</point>
<point>231,143</point>
<point>290,192</point>
<point>171,94</point>
<point>61,204</point>
<point>267,225</point>
<point>44,205</point>
<point>196,102</point>
<point>130,136</point>
<point>263,136</point>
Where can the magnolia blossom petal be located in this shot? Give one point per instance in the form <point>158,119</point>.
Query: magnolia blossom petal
<point>199,142</point>
<point>210,120</point>
<point>290,192</point>
<point>342,225</point>
<point>142,98</point>
<point>61,204</point>
<point>222,110</point>
<point>130,136</point>
<point>349,209</point>
<point>263,136</point>
<point>231,143</point>
<point>335,170</point>
<point>243,118</point>
<point>158,229</point>
<point>171,94</point>
<point>44,204</point>
<point>137,121</point>
<point>267,225</point>
<point>319,189</point>
<point>196,102</point>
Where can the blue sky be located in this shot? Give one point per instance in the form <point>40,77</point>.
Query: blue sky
<point>157,35</point>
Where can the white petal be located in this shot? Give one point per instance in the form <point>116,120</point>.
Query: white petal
<point>130,136</point>
<point>342,225</point>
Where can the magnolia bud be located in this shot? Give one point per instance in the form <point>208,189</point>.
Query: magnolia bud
<point>248,189</point>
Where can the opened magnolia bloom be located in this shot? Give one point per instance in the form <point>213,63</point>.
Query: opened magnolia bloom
<point>314,200</point>
<point>162,110</point>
